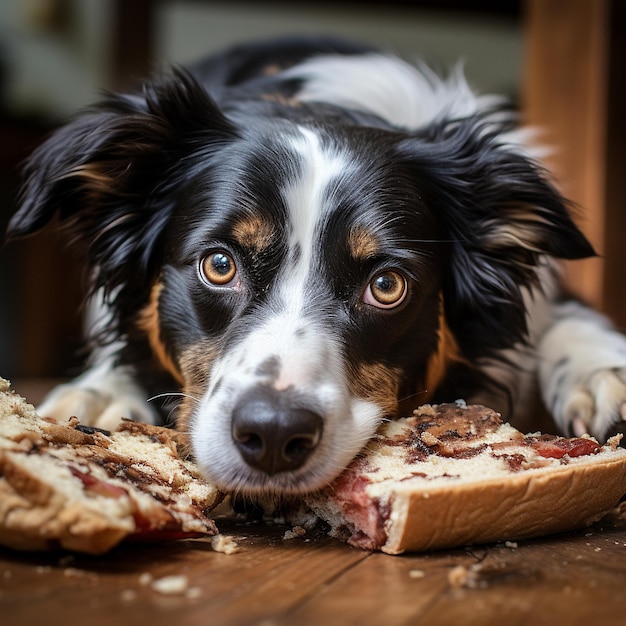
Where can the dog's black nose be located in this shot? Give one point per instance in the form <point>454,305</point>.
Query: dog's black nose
<point>271,433</point>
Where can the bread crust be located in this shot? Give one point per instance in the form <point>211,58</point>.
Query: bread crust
<point>535,503</point>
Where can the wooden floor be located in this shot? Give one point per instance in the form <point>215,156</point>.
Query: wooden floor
<point>572,579</point>
<point>271,580</point>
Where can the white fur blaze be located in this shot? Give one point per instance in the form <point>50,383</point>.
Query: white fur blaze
<point>290,349</point>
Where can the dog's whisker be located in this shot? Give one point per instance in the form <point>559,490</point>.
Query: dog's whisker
<point>421,392</point>
<point>413,241</point>
<point>173,394</point>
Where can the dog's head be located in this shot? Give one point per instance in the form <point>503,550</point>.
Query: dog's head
<point>298,278</point>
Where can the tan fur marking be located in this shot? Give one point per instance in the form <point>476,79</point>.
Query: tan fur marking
<point>281,99</point>
<point>196,364</point>
<point>362,243</point>
<point>378,383</point>
<point>272,69</point>
<point>446,354</point>
<point>254,232</point>
<point>522,226</point>
<point>149,322</point>
<point>513,235</point>
<point>96,180</point>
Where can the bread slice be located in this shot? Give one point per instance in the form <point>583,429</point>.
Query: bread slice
<point>447,476</point>
<point>84,489</point>
<point>451,475</point>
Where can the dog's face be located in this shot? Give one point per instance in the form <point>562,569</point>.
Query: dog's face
<point>291,313</point>
<point>298,278</point>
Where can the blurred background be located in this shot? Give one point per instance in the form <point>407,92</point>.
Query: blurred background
<point>557,59</point>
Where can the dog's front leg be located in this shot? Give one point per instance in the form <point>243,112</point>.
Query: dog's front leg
<point>582,371</point>
<point>101,397</point>
<point>105,393</point>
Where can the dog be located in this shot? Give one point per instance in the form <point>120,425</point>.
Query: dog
<point>295,240</point>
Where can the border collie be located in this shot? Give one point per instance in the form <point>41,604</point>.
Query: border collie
<point>295,240</point>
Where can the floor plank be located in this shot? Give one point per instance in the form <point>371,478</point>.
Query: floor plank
<point>576,578</point>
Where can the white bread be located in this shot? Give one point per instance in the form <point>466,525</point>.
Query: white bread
<point>453,475</point>
<point>448,476</point>
<point>67,486</point>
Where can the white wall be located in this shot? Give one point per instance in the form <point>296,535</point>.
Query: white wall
<point>54,71</point>
<point>491,48</point>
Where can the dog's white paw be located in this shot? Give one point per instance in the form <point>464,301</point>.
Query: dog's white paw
<point>582,372</point>
<point>101,397</point>
<point>596,405</point>
<point>93,407</point>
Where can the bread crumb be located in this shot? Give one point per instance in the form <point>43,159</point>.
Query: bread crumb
<point>167,585</point>
<point>613,442</point>
<point>417,573</point>
<point>425,409</point>
<point>224,544</point>
<point>72,571</point>
<point>429,439</point>
<point>171,585</point>
<point>128,595</point>
<point>510,544</point>
<point>457,576</point>
<point>296,531</point>
<point>193,593</point>
<point>469,577</point>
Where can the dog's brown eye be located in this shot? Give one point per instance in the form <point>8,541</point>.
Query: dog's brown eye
<point>218,268</point>
<point>386,290</point>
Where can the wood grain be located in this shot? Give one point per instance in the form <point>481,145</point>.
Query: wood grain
<point>577,578</point>
<point>565,96</point>
<point>574,93</point>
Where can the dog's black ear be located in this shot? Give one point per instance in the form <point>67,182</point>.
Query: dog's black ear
<point>501,216</point>
<point>109,174</point>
